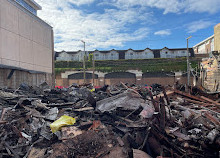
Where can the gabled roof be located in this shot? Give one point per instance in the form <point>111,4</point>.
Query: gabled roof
<point>130,49</point>
<point>165,48</point>
<point>147,48</point>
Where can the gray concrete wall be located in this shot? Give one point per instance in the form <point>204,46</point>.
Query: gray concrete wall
<point>18,77</point>
<point>25,40</point>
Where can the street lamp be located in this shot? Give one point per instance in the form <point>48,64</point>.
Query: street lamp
<point>93,69</point>
<point>188,71</point>
<point>84,62</point>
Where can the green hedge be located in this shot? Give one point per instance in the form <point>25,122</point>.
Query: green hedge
<point>146,65</point>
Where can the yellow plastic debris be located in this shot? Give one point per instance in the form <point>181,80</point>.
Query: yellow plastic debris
<point>92,90</point>
<point>62,121</point>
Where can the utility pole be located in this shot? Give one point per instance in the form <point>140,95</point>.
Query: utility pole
<point>188,67</point>
<point>93,69</point>
<point>84,62</point>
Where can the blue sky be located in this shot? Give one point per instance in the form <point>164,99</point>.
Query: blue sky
<point>123,24</point>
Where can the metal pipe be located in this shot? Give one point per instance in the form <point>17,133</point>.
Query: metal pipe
<point>93,69</point>
<point>84,62</point>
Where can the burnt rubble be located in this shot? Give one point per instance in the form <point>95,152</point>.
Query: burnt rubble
<point>119,121</point>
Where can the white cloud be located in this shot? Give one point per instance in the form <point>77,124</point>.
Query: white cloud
<point>110,29</point>
<point>81,2</point>
<point>210,6</point>
<point>198,25</point>
<point>163,32</point>
<point>170,6</point>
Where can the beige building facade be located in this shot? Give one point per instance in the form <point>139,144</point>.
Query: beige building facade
<point>217,37</point>
<point>26,41</point>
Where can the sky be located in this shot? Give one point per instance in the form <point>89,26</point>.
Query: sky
<point>124,24</point>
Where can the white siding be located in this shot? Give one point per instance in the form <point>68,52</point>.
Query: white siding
<point>166,53</point>
<point>98,55</point>
<point>147,54</point>
<point>130,54</point>
<point>180,53</point>
<point>64,56</point>
<point>111,55</point>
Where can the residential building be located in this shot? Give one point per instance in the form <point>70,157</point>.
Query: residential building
<point>204,47</point>
<point>70,55</point>
<point>125,54</point>
<point>174,53</point>
<point>106,55</point>
<point>26,44</point>
<point>139,54</point>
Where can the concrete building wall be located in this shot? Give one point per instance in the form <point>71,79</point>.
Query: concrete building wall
<point>217,37</point>
<point>25,40</point>
<point>19,77</point>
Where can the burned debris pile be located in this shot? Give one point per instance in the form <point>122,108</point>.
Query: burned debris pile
<point>120,121</point>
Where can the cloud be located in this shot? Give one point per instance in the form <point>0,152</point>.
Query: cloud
<point>163,32</point>
<point>198,25</point>
<point>127,20</point>
<point>170,6</point>
<point>81,2</point>
<point>200,6</point>
<point>98,30</point>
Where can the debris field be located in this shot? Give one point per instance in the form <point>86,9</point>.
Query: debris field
<point>111,122</point>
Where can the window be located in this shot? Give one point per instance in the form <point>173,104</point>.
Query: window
<point>166,52</point>
<point>26,6</point>
<point>131,53</point>
<point>112,54</point>
<point>183,51</point>
<point>96,55</point>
